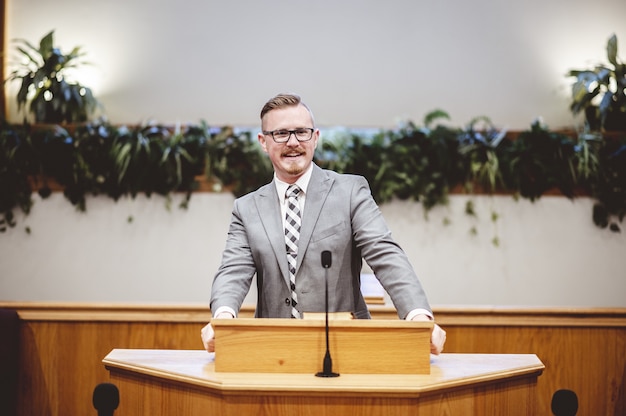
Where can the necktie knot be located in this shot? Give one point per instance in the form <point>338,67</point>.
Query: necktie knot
<point>293,191</point>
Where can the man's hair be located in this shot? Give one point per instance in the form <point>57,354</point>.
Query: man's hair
<point>282,101</point>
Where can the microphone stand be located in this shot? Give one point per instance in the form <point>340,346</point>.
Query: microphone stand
<point>328,361</point>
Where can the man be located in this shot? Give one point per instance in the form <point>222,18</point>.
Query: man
<point>326,212</point>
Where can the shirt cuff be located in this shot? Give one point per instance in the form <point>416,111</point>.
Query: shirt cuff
<point>225,309</point>
<point>419,311</point>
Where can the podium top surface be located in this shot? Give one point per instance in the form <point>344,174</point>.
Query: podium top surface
<point>197,368</point>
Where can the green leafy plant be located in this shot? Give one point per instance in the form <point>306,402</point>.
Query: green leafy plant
<point>426,161</point>
<point>15,188</point>
<point>409,162</point>
<point>540,160</point>
<point>600,92</point>
<point>479,145</point>
<point>362,154</point>
<point>587,158</point>
<point>147,159</point>
<point>236,161</point>
<point>609,188</point>
<point>46,90</point>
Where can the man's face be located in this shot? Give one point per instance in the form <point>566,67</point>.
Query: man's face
<point>293,158</point>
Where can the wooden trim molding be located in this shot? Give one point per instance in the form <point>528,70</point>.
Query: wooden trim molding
<point>531,316</point>
<point>105,312</point>
<point>448,316</point>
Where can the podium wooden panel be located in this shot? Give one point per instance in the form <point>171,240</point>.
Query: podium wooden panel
<point>168,382</point>
<point>357,346</point>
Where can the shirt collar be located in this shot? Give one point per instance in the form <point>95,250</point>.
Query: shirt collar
<point>302,182</point>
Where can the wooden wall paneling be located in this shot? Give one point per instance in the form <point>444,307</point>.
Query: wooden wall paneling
<point>589,361</point>
<point>62,347</point>
<point>61,362</point>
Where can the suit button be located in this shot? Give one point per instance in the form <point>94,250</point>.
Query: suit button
<point>287,301</point>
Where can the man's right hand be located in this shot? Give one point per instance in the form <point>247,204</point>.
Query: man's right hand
<point>208,335</point>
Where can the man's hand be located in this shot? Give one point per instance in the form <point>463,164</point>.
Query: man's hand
<point>208,335</point>
<point>437,336</point>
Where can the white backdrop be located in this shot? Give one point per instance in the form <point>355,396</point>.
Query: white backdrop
<point>550,252</point>
<point>358,63</point>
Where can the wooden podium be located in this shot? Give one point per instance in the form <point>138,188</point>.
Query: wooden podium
<point>172,382</point>
<point>357,346</point>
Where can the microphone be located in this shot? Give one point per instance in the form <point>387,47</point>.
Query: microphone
<point>327,259</point>
<point>328,361</point>
<point>106,398</point>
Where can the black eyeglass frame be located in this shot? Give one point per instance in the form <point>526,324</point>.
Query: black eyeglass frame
<point>271,133</point>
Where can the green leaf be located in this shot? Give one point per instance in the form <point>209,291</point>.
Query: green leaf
<point>611,50</point>
<point>46,45</point>
<point>435,115</point>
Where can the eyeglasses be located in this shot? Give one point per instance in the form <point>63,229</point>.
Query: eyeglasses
<point>282,136</point>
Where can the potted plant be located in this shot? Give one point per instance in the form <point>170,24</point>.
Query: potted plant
<point>540,160</point>
<point>46,89</point>
<point>609,188</point>
<point>408,162</point>
<point>479,145</point>
<point>600,92</point>
<point>235,161</point>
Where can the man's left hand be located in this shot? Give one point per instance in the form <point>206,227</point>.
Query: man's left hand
<point>437,336</point>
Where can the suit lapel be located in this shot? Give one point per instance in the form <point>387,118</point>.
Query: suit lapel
<point>317,191</point>
<point>267,202</point>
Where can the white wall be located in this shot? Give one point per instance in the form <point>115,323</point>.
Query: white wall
<point>358,63</point>
<point>550,252</point>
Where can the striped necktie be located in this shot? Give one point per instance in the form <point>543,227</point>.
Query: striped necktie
<point>292,234</point>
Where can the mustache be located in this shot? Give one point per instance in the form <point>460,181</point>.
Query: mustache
<point>292,151</point>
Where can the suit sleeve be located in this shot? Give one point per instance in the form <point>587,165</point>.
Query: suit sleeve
<point>234,276</point>
<point>384,256</point>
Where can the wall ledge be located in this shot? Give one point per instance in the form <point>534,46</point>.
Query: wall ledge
<point>456,315</point>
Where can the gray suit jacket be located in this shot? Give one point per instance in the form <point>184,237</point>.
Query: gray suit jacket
<point>340,216</point>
